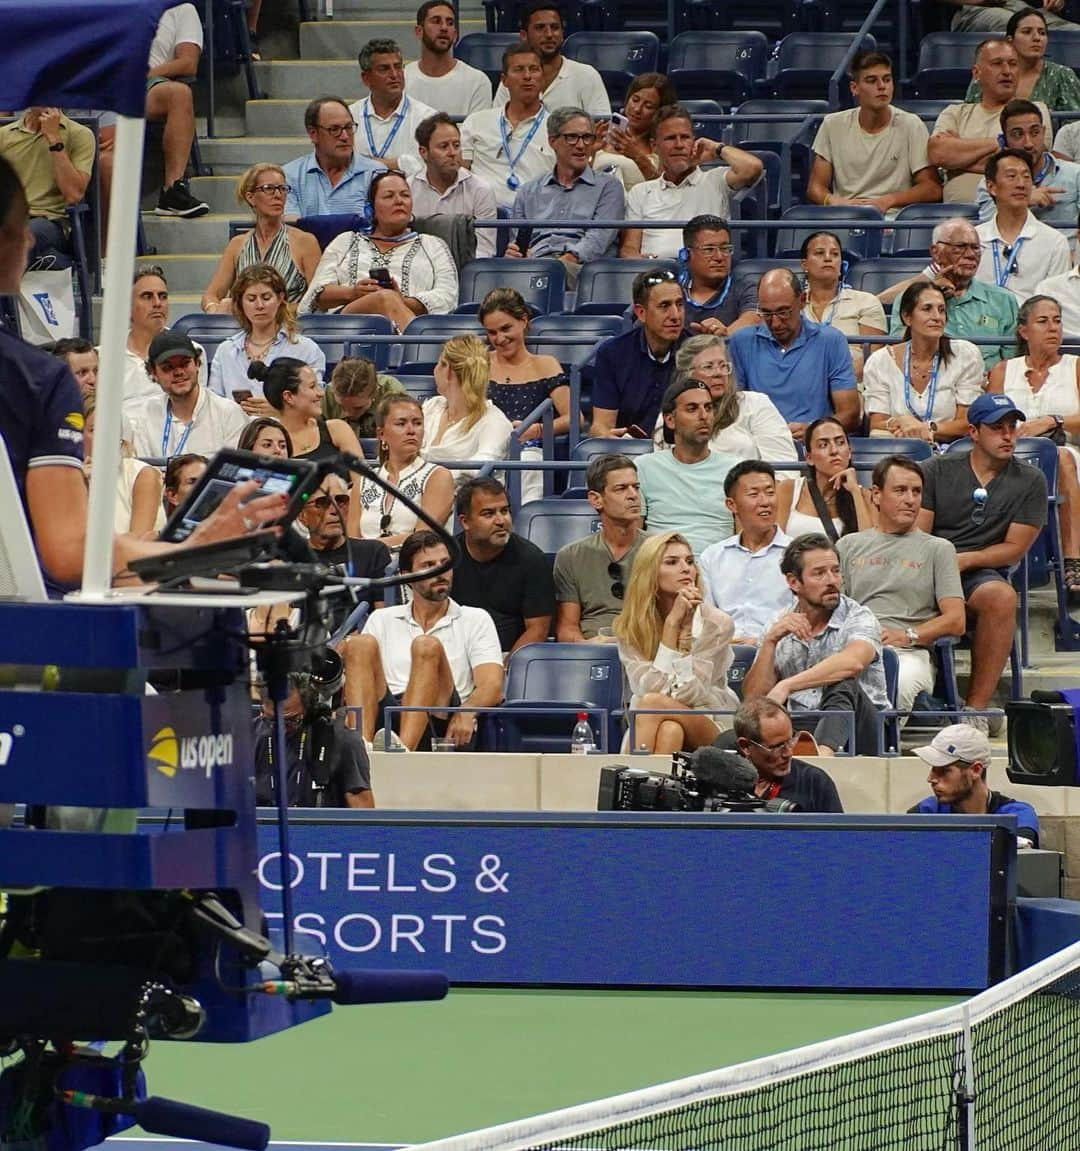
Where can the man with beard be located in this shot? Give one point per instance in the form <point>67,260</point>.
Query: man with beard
<point>499,571</point>
<point>437,78</point>
<point>430,652</point>
<point>825,655</point>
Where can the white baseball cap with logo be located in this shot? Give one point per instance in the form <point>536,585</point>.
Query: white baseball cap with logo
<point>958,741</point>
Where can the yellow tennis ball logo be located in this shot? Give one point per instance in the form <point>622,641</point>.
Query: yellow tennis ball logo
<point>164,753</point>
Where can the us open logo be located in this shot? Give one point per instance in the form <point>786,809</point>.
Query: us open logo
<point>7,742</point>
<point>168,752</point>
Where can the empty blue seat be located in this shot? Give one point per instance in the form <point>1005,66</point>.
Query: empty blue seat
<point>333,332</point>
<point>722,66</point>
<point>617,56</point>
<point>944,68</point>
<point>551,524</point>
<point>585,331</point>
<point>421,358</point>
<point>790,138</point>
<point>805,62</point>
<point>876,275</point>
<point>208,329</point>
<point>866,451</point>
<point>915,224</point>
<point>604,286</point>
<point>542,283</point>
<point>805,219</point>
<point>484,50</point>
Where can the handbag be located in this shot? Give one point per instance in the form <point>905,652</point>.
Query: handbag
<point>46,305</point>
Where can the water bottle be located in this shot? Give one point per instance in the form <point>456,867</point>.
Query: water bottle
<point>581,738</point>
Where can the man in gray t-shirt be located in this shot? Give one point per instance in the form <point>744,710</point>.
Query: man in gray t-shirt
<point>991,507</point>
<point>908,579</point>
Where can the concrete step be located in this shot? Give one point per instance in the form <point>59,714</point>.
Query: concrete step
<point>343,39</point>
<point>227,124</point>
<point>205,235</point>
<point>383,12</point>
<point>180,304</point>
<point>236,155</point>
<point>274,118</point>
<point>187,273</point>
<point>306,79</point>
<point>219,191</point>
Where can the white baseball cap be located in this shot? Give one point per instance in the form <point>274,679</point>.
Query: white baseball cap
<point>958,741</point>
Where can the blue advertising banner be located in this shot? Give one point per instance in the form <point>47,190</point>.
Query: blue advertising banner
<point>904,902</point>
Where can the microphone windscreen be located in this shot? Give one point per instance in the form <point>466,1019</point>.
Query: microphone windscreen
<point>725,771</point>
<point>182,1121</point>
<point>388,986</point>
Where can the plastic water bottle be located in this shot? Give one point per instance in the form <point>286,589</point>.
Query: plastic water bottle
<point>581,738</point>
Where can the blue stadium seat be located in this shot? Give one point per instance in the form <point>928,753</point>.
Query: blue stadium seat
<point>541,282</point>
<point>927,110</point>
<point>585,449</point>
<point>721,66</point>
<point>551,524</point>
<point>604,285</point>
<point>208,329</point>
<point>617,56</point>
<point>789,139</point>
<point>867,450</point>
<point>914,226</point>
<point>484,50</point>
<point>587,331</point>
<point>327,228</point>
<point>808,218</point>
<point>775,18</point>
<point>805,61</point>
<point>755,268</point>
<point>558,675</point>
<point>875,276</point>
<point>420,359</point>
<point>944,68</point>
<point>333,332</point>
<point>419,387</point>
<point>1063,46</point>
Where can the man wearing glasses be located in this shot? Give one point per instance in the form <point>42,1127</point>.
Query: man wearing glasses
<point>716,302</point>
<point>973,307</point>
<point>572,190</point>
<point>334,177</point>
<point>764,736</point>
<point>387,117</point>
<point>991,507</point>
<point>325,515</point>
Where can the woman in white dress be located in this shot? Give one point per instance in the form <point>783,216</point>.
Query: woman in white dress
<point>920,388</point>
<point>399,429</point>
<point>390,271</point>
<point>138,507</point>
<point>461,423</point>
<point>830,301</point>
<point>745,424</point>
<point>840,505</point>
<point>1045,385</point>
<point>674,647</point>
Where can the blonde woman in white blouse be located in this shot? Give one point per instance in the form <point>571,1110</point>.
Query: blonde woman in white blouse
<point>675,648</point>
<point>461,423</point>
<point>415,274</point>
<point>921,388</point>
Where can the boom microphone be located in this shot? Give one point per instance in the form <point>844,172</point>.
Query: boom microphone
<point>723,771</point>
<point>376,986</point>
<point>182,1121</point>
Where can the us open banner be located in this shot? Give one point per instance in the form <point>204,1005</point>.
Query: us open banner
<point>904,902</point>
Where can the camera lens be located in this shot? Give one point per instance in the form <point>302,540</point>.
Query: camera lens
<point>1034,742</point>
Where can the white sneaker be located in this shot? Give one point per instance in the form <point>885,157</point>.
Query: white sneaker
<point>379,742</point>
<point>978,722</point>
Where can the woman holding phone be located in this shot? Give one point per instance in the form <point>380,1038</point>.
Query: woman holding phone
<point>267,331</point>
<point>390,271</point>
<point>625,143</point>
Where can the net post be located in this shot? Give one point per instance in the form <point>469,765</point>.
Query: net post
<point>965,1095</point>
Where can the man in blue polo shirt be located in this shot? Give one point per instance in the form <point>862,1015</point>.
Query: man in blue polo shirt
<point>803,367</point>
<point>634,369</point>
<point>334,177</point>
<point>959,758</point>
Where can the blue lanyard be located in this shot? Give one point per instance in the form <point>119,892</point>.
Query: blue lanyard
<point>1000,276</point>
<point>833,306</point>
<point>714,301</point>
<point>512,182</point>
<point>167,432</point>
<point>930,394</point>
<point>378,153</point>
<point>1044,170</point>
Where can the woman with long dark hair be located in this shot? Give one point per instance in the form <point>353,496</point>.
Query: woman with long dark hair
<point>1055,85</point>
<point>828,497</point>
<point>629,149</point>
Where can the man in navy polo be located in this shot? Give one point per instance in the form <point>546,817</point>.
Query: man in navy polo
<point>803,367</point>
<point>633,370</point>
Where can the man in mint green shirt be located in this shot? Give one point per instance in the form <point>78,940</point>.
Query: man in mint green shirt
<point>682,490</point>
<point>973,308</point>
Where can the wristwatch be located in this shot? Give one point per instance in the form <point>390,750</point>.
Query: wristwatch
<point>57,147</point>
<point>913,636</point>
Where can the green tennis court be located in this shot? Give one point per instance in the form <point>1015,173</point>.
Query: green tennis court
<point>405,1073</point>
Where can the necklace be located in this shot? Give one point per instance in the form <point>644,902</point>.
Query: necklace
<point>257,350</point>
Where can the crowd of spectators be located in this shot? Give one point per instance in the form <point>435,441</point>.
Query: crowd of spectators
<point>718,536</point>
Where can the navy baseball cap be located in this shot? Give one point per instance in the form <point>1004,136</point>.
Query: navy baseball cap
<point>991,407</point>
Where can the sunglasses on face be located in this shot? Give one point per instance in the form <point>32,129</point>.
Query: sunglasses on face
<point>322,503</point>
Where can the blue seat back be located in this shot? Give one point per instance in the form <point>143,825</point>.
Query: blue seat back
<point>721,66</point>
<point>605,285</point>
<point>484,50</point>
<point>743,655</point>
<point>805,61</point>
<point>208,329</point>
<point>866,451</point>
<point>806,219</point>
<point>617,56</point>
<point>915,224</point>
<point>552,524</point>
<point>421,358</point>
<point>542,283</point>
<point>587,331</point>
<point>333,332</point>
<point>944,68</point>
<point>876,275</point>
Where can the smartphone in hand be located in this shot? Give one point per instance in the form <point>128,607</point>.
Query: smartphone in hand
<point>381,276</point>
<point>242,395</point>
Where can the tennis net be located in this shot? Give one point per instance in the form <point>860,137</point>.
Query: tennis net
<point>997,1071</point>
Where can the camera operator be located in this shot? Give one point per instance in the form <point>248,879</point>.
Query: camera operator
<point>327,763</point>
<point>764,735</point>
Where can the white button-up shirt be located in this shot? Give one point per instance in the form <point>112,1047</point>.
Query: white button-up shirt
<point>575,85</point>
<point>747,585</point>
<point>216,423</point>
<point>1043,252</point>
<point>467,635</point>
<point>399,127</point>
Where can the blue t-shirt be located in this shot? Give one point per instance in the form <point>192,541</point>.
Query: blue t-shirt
<point>800,378</point>
<point>1027,822</point>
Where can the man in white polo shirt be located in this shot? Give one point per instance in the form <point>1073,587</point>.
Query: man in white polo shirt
<point>683,190</point>
<point>566,83</point>
<point>1017,249</point>
<point>387,118</point>
<point>430,652</point>
<point>437,78</point>
<point>509,146</point>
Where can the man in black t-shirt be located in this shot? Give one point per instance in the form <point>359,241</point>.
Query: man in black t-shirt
<point>499,571</point>
<point>990,507</point>
<point>764,735</point>
<point>324,516</point>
